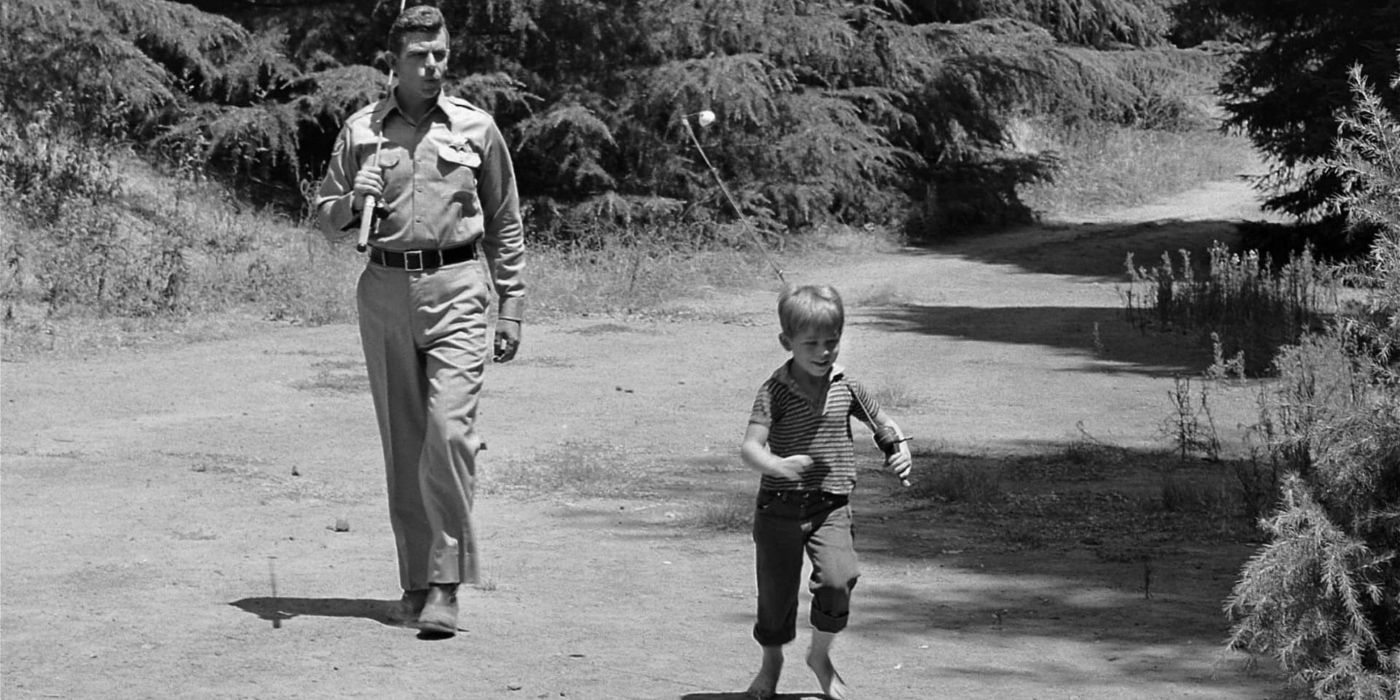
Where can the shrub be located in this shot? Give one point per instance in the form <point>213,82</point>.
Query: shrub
<point>74,248</point>
<point>1323,595</point>
<point>96,233</point>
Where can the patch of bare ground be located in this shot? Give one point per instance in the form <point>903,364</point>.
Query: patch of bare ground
<point>171,514</point>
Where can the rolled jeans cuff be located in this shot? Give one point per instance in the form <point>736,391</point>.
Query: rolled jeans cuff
<point>824,622</point>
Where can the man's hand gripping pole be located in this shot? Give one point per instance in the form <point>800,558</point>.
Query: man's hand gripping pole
<point>367,214</point>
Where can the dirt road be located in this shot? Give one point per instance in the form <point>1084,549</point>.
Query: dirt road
<point>167,514</point>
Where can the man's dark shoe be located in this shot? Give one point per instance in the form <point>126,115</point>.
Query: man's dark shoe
<point>439,614</point>
<point>410,606</point>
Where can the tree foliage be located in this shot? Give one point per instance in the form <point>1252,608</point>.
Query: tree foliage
<point>1096,23</point>
<point>1287,83</point>
<point>865,111</point>
<point>1323,596</point>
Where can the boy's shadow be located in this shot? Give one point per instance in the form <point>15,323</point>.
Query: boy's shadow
<point>278,609</point>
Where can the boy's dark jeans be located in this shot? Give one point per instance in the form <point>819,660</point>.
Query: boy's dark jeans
<point>785,524</point>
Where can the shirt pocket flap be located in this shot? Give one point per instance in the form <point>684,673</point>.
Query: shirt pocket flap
<point>461,155</point>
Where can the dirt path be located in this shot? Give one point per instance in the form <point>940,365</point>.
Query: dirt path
<point>153,500</point>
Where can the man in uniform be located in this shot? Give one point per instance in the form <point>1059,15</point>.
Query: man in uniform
<point>439,168</point>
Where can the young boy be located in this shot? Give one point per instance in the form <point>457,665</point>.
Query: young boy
<point>799,439</point>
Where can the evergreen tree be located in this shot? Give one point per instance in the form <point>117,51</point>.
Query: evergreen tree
<point>1288,81</point>
<point>828,110</point>
<point>1323,596</point>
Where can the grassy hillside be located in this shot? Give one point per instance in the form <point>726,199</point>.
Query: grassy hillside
<point>106,250</point>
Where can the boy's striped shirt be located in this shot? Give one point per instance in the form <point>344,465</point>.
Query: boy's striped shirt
<point>797,426</point>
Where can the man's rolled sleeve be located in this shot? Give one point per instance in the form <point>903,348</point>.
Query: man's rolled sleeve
<point>335,213</point>
<point>504,238</point>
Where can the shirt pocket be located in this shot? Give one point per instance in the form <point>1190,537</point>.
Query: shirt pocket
<point>458,165</point>
<point>388,152</point>
<point>396,167</point>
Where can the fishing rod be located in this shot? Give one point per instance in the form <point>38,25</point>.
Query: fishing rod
<point>367,214</point>
<point>705,118</point>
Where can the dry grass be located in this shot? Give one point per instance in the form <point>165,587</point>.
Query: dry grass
<point>632,278</point>
<point>217,256</point>
<point>894,395</point>
<point>731,513</point>
<point>576,467</point>
<point>1109,166</point>
<point>956,480</point>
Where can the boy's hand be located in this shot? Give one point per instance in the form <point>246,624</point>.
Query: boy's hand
<point>901,463</point>
<point>896,449</point>
<point>790,467</point>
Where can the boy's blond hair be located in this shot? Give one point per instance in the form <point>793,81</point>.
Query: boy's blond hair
<point>810,307</point>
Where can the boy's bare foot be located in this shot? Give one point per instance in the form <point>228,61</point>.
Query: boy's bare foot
<point>765,684</point>
<point>832,685</point>
<point>819,660</point>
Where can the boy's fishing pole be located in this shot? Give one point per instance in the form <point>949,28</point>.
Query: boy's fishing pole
<point>705,118</point>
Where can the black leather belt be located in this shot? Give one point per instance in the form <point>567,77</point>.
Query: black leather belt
<point>419,260</point>
<point>802,496</point>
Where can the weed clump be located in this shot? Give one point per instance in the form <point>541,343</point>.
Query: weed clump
<point>957,481</point>
<point>1241,303</point>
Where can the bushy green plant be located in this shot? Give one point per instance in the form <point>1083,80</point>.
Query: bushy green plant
<point>1368,166</point>
<point>1323,596</point>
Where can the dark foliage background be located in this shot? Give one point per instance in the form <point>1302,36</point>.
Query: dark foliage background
<point>874,111</point>
<point>1287,85</point>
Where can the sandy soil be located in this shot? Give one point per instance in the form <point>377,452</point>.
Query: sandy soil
<point>168,513</point>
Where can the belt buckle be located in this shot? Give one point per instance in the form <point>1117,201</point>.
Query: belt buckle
<point>413,260</point>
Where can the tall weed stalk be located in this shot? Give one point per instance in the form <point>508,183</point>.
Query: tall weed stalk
<point>1240,302</point>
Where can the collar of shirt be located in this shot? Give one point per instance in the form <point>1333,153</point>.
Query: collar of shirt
<point>391,104</point>
<point>783,375</point>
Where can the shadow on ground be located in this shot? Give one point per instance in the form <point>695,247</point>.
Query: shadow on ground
<point>1089,250</point>
<point>745,696</point>
<point>1063,547</point>
<point>278,609</point>
<point>1101,333</point>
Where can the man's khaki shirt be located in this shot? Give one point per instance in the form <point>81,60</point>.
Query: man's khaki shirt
<point>448,181</point>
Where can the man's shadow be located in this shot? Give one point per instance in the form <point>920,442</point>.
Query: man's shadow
<point>385,612</point>
<point>745,696</point>
<point>278,609</point>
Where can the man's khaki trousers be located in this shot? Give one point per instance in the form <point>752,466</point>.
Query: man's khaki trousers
<point>425,342</point>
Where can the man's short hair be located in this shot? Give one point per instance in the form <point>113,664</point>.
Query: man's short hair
<point>810,307</point>
<point>419,19</point>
